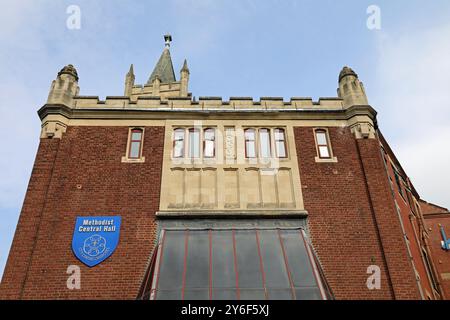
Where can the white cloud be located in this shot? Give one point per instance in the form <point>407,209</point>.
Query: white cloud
<point>427,159</point>
<point>413,97</point>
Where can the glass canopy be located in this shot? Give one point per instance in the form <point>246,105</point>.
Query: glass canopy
<point>235,264</point>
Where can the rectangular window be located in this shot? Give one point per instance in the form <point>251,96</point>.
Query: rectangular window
<point>398,182</point>
<point>209,143</point>
<point>135,144</point>
<point>264,143</point>
<point>250,143</point>
<point>429,269</point>
<point>280,143</point>
<point>194,143</point>
<point>178,143</point>
<point>323,146</point>
<point>240,264</point>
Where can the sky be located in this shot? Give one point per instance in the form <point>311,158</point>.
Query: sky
<point>283,48</point>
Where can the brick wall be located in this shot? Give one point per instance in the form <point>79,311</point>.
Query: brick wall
<point>414,231</point>
<point>394,245</point>
<point>435,217</point>
<point>90,157</point>
<point>16,267</point>
<point>351,217</point>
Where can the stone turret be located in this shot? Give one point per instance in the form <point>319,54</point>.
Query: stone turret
<point>351,90</point>
<point>129,82</point>
<point>162,82</point>
<point>65,87</point>
<point>184,79</point>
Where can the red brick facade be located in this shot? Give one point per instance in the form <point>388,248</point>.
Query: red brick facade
<point>435,217</point>
<point>352,217</point>
<point>80,175</point>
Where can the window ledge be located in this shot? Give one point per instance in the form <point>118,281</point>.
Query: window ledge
<point>237,213</point>
<point>331,160</point>
<point>128,160</point>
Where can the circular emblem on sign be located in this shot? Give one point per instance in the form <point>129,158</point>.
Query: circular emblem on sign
<point>94,245</point>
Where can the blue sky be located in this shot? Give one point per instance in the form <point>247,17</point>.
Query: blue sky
<point>234,48</point>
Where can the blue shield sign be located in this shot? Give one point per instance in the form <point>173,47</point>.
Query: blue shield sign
<point>95,238</point>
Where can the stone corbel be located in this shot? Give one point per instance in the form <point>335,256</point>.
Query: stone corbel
<point>363,130</point>
<point>53,129</point>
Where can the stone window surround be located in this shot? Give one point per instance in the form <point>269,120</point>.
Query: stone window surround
<point>318,159</point>
<point>272,141</point>
<point>230,162</point>
<point>244,128</point>
<point>126,158</point>
<point>187,130</point>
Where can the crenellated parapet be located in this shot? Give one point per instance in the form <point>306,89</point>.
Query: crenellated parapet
<point>163,97</point>
<point>209,103</point>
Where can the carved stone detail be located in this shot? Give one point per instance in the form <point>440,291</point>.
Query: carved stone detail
<point>363,130</point>
<point>53,129</point>
<point>230,143</point>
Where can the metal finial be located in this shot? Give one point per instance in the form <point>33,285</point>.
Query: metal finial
<point>168,39</point>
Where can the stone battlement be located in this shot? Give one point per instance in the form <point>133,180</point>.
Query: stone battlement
<point>207,103</point>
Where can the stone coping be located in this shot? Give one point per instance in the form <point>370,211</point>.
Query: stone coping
<point>168,112</point>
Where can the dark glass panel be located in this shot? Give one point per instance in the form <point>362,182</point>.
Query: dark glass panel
<point>249,269</point>
<point>273,260</point>
<point>200,294</point>
<point>223,273</point>
<point>252,294</point>
<point>224,294</point>
<point>168,295</point>
<point>172,263</point>
<point>299,264</point>
<point>308,294</point>
<point>280,294</point>
<point>197,262</point>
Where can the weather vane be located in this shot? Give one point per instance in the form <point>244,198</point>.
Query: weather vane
<point>168,39</point>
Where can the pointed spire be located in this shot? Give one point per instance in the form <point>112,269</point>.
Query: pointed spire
<point>131,71</point>
<point>164,67</point>
<point>185,67</point>
<point>129,81</point>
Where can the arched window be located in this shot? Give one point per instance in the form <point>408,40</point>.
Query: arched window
<point>280,143</point>
<point>194,143</point>
<point>264,143</point>
<point>178,143</point>
<point>209,143</point>
<point>250,143</point>
<point>135,144</point>
<point>323,145</point>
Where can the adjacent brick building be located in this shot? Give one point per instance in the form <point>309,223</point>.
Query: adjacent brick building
<point>236,199</point>
<point>437,223</point>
